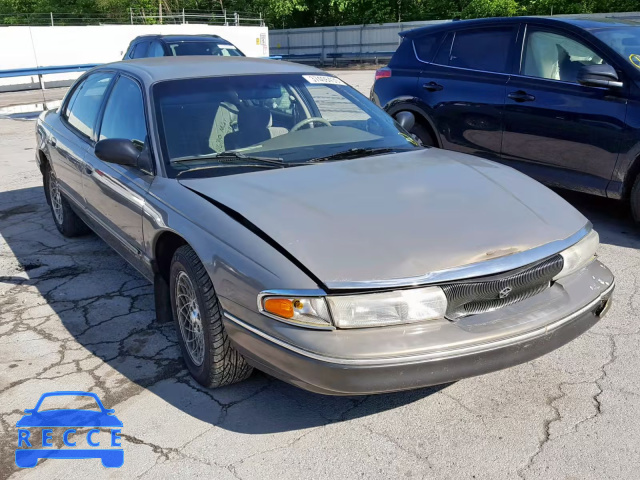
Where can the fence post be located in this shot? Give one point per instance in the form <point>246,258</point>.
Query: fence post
<point>224,12</point>
<point>236,18</point>
<point>183,22</point>
<point>160,10</point>
<point>131,14</point>
<point>51,14</point>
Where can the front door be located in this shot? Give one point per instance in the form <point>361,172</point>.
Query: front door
<point>115,194</point>
<point>464,88</point>
<point>556,130</point>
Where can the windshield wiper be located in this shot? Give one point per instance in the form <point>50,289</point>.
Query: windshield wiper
<point>232,157</point>
<point>353,153</point>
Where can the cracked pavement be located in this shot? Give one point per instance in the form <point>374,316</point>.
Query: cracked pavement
<point>75,316</point>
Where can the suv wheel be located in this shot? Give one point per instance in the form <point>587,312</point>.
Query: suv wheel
<point>67,221</point>
<point>424,135</point>
<point>635,200</point>
<point>204,343</point>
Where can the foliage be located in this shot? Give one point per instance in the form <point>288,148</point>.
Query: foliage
<point>307,13</point>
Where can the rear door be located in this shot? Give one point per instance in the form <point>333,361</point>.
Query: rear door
<point>464,87</point>
<point>76,134</point>
<point>556,130</point>
<point>115,194</point>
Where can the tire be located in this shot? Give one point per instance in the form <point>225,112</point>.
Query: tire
<point>66,220</point>
<point>634,200</point>
<point>424,135</point>
<point>218,363</point>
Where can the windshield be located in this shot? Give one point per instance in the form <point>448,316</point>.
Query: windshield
<point>292,119</point>
<point>180,49</point>
<point>624,40</point>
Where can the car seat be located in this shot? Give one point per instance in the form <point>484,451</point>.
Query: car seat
<point>254,126</point>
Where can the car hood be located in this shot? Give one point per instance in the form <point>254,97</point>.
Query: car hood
<point>396,216</point>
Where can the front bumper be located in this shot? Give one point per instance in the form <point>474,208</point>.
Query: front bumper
<point>486,343</point>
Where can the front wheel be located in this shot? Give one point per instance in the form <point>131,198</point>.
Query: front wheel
<point>67,221</point>
<point>205,346</point>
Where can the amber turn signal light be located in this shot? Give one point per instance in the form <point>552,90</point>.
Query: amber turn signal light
<point>282,307</point>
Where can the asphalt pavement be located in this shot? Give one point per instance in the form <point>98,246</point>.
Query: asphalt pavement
<point>75,316</point>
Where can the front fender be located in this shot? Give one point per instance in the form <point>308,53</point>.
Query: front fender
<point>240,264</point>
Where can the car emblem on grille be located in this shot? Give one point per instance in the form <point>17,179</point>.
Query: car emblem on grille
<point>504,293</point>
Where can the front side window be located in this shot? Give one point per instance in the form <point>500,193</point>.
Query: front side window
<point>486,49</point>
<point>555,57</point>
<point>179,49</point>
<point>292,117</point>
<point>82,109</point>
<point>124,113</point>
<point>624,40</point>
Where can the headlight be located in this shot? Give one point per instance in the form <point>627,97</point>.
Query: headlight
<point>579,255</point>
<point>303,311</point>
<point>357,311</point>
<point>388,308</point>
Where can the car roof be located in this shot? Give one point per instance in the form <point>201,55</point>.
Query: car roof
<point>156,69</point>
<point>180,38</point>
<point>586,23</point>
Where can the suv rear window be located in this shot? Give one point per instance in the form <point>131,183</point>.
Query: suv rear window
<point>486,49</point>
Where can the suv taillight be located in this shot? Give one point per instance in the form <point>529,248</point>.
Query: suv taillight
<point>383,73</point>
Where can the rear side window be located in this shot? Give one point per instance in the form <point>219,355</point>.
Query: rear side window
<point>82,110</point>
<point>486,49</point>
<point>426,45</point>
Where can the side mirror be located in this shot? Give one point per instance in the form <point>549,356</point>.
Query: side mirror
<point>599,76</point>
<point>117,150</point>
<point>406,120</point>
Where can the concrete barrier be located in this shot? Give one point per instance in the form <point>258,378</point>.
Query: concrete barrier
<point>32,47</point>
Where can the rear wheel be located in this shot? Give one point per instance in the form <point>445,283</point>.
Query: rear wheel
<point>207,351</point>
<point>635,200</point>
<point>67,221</point>
<point>424,135</point>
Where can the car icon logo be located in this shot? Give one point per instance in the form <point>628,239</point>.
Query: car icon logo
<point>505,292</point>
<point>27,454</point>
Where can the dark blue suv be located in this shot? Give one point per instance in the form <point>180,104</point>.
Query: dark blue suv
<point>555,98</point>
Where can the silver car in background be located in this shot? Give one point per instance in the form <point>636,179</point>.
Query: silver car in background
<point>288,224</point>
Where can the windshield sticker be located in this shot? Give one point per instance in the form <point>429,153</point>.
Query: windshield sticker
<point>228,47</point>
<point>409,139</point>
<point>323,79</point>
<point>635,59</point>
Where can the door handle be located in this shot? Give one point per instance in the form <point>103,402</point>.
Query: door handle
<point>521,96</point>
<point>432,87</point>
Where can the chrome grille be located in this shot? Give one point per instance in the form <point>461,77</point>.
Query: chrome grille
<point>470,297</point>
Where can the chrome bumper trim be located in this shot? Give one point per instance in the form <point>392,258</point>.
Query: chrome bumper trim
<point>427,357</point>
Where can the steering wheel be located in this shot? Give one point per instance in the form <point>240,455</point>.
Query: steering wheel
<point>308,121</point>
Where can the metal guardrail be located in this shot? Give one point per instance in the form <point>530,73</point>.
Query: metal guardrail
<point>26,72</point>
